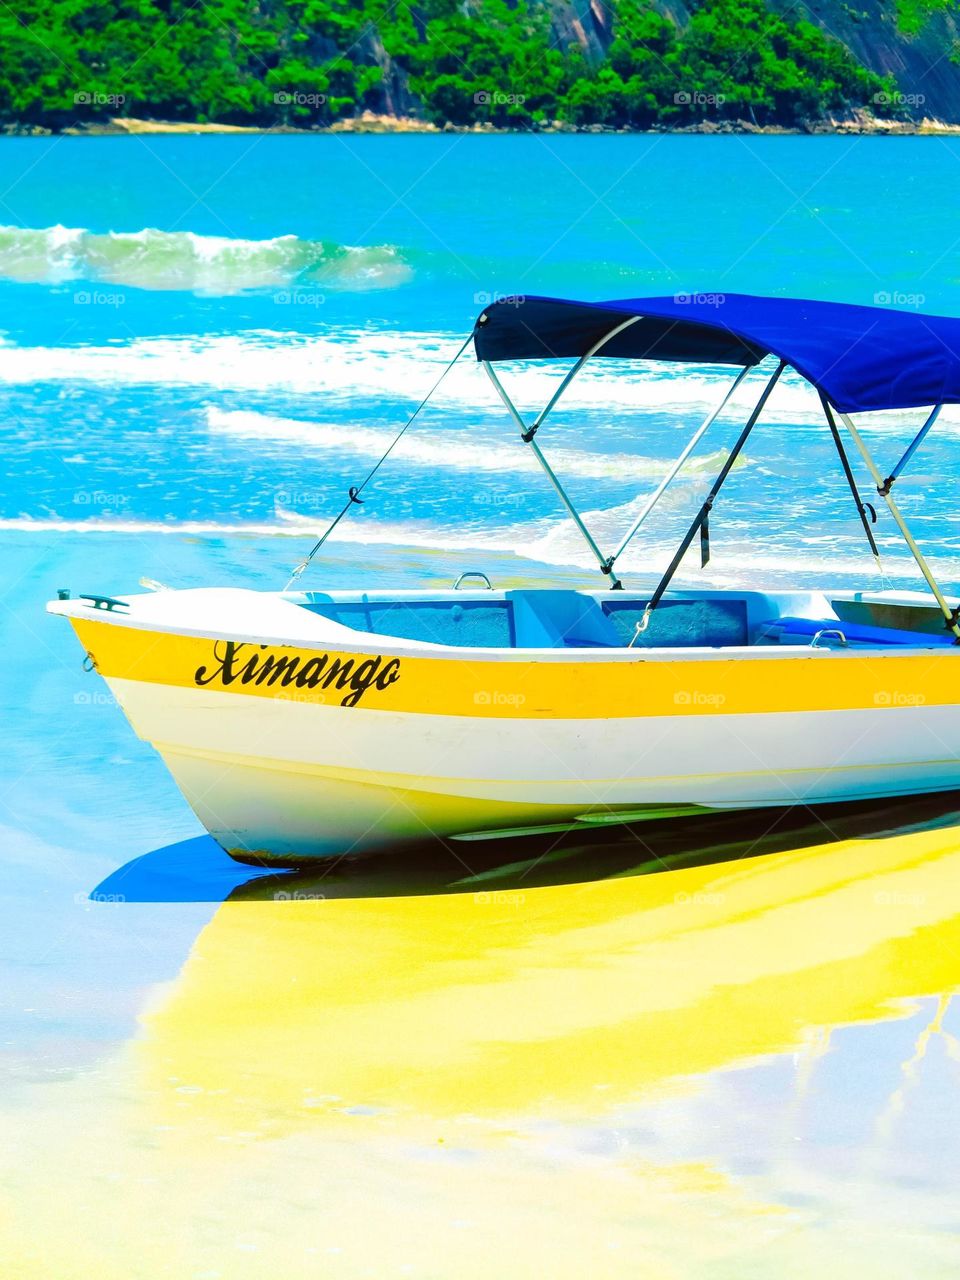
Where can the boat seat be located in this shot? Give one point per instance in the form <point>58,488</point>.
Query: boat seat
<point>560,620</point>
<point>796,630</point>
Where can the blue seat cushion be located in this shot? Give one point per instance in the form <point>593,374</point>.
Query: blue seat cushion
<point>786,629</point>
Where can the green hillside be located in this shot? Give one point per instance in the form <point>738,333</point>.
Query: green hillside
<point>310,62</point>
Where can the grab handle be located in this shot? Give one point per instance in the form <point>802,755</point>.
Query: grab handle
<point>473,573</point>
<point>828,633</point>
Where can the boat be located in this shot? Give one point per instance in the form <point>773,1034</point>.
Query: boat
<point>305,724</point>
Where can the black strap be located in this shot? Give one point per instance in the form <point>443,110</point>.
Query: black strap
<point>705,541</point>
<point>703,514</point>
<point>862,507</point>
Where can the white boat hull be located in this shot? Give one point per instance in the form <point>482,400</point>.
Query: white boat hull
<point>311,743</point>
<point>283,781</point>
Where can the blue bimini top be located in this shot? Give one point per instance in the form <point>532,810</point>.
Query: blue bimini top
<point>860,358</point>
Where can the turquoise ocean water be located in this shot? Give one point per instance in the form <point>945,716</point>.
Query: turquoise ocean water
<point>203,343</point>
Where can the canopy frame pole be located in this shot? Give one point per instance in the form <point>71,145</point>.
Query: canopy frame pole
<point>911,449</point>
<point>862,507</point>
<point>951,616</point>
<point>699,524</point>
<point>527,437</point>
<point>528,433</point>
<point>675,469</point>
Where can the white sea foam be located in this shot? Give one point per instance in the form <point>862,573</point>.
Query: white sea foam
<point>498,452</point>
<point>545,541</point>
<point>400,367</point>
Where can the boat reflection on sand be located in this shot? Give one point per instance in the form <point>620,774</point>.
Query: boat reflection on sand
<point>504,1000</point>
<point>543,1076</point>
<point>710,1072</point>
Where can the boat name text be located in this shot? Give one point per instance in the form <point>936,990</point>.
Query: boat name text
<point>235,664</point>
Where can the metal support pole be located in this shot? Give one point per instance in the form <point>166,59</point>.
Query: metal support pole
<point>572,373</point>
<point>527,434</point>
<point>913,446</point>
<point>704,512</point>
<point>605,566</point>
<point>675,469</point>
<point>949,614</point>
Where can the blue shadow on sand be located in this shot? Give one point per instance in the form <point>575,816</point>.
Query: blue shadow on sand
<point>195,870</point>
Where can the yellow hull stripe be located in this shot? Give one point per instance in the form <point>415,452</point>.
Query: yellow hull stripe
<point>465,686</point>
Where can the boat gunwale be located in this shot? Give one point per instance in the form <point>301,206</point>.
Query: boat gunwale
<point>363,642</point>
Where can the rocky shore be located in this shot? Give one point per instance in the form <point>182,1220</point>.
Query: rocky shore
<point>369,122</point>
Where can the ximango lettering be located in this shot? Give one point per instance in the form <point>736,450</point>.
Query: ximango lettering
<point>247,664</point>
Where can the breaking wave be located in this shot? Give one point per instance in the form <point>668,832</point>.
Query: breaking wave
<point>171,260</point>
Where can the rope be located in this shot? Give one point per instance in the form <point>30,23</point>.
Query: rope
<point>354,492</point>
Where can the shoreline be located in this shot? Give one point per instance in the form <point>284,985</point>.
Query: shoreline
<point>368,123</point>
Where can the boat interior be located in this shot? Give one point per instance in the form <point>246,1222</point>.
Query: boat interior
<point>547,618</point>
